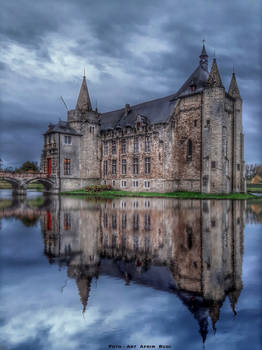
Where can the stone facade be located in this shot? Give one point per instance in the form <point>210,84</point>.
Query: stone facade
<point>189,141</point>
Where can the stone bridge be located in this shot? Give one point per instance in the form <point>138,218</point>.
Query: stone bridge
<point>19,208</point>
<point>20,181</point>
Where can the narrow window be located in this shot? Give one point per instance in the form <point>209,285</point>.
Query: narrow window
<point>189,149</point>
<point>113,240</point>
<point>123,183</point>
<point>123,146</point>
<point>113,147</point>
<point>189,236</point>
<point>106,148</point>
<point>67,166</point>
<point>147,222</point>
<point>195,122</point>
<point>105,167</point>
<point>123,220</point>
<point>67,140</point>
<point>105,220</point>
<point>135,222</point>
<point>136,145</point>
<point>113,166</point>
<point>147,144</point>
<point>124,166</point>
<point>213,165</point>
<point>67,221</point>
<point>114,225</point>
<point>238,167</point>
<point>147,165</point>
<point>135,166</point>
<point>147,204</point>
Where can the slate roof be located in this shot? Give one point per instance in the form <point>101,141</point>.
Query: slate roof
<point>155,111</point>
<point>61,127</point>
<point>83,101</point>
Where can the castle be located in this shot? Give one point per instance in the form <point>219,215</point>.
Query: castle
<point>191,140</point>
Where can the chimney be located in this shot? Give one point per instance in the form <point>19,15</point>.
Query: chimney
<point>127,109</point>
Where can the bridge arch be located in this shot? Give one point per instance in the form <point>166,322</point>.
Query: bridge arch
<point>15,183</point>
<point>20,181</point>
<point>48,183</point>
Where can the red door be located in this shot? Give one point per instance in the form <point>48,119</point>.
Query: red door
<point>49,221</point>
<point>49,166</point>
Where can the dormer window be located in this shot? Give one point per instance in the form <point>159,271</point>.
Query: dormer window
<point>192,86</point>
<point>138,121</point>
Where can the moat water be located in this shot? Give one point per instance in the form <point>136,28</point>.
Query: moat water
<point>130,273</point>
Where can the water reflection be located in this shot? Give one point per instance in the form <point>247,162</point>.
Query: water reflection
<point>191,248</point>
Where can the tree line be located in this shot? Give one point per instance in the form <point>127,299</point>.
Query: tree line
<point>27,166</point>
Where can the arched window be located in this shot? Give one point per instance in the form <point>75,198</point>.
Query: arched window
<point>189,149</point>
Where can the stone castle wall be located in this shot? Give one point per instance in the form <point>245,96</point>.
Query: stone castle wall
<point>186,167</point>
<point>199,149</point>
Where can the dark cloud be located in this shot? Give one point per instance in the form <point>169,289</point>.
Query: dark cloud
<point>133,51</point>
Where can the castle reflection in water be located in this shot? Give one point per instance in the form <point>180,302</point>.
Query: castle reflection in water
<point>191,248</point>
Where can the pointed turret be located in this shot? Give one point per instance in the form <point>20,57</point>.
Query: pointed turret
<point>233,298</point>
<point>214,314</point>
<point>83,102</point>
<point>204,58</point>
<point>214,79</point>
<point>203,330</point>
<point>233,88</point>
<point>83,284</point>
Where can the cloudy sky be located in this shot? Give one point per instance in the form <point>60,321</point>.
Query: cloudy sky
<point>131,51</point>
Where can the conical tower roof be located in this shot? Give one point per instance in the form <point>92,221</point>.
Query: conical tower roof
<point>233,88</point>
<point>233,298</point>
<point>214,311</point>
<point>83,285</point>
<point>203,53</point>
<point>83,102</point>
<point>204,58</point>
<point>214,79</point>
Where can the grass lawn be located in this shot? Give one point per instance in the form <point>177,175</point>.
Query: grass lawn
<point>4,185</point>
<point>185,195</point>
<point>254,188</point>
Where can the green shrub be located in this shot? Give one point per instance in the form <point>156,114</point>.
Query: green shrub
<point>98,188</point>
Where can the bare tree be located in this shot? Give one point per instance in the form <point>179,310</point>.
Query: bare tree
<point>251,171</point>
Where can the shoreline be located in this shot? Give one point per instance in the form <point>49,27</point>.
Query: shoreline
<point>183,195</point>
